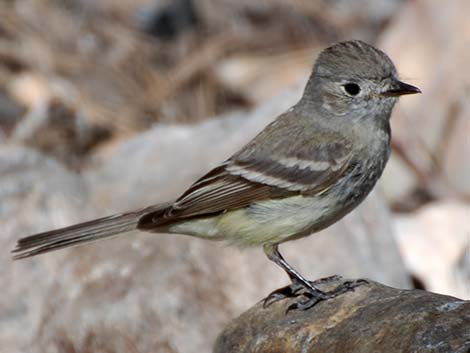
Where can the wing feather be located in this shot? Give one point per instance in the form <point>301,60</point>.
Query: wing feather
<point>256,174</point>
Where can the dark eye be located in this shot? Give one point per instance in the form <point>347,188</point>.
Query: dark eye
<point>352,89</point>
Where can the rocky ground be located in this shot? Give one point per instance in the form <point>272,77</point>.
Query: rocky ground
<point>372,318</point>
<point>106,106</point>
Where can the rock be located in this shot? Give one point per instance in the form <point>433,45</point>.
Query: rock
<point>434,242</point>
<point>373,318</point>
<point>36,193</point>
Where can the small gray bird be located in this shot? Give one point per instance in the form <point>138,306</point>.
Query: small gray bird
<point>303,172</point>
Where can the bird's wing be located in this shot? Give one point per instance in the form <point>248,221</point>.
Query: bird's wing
<point>252,175</point>
<point>293,173</point>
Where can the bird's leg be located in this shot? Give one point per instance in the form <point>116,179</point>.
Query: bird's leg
<point>313,294</point>
<point>298,282</point>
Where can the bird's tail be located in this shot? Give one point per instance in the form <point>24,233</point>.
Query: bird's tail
<point>79,234</point>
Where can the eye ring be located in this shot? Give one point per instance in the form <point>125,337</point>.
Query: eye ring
<point>352,89</point>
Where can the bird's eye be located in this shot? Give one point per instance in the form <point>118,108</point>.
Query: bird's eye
<point>352,89</point>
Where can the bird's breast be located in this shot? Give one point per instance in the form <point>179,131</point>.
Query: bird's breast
<point>363,174</point>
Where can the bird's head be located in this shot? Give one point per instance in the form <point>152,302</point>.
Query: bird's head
<point>355,78</point>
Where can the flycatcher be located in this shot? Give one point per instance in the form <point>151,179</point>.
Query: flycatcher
<point>302,173</point>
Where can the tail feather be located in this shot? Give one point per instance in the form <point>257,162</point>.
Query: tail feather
<point>79,233</point>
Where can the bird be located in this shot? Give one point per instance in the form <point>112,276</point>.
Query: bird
<point>303,172</point>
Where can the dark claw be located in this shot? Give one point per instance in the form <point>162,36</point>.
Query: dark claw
<point>282,293</point>
<point>325,280</point>
<point>351,285</point>
<point>306,299</point>
<point>290,291</point>
<point>312,300</point>
<point>304,304</point>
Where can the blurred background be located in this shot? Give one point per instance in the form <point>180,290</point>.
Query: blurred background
<point>110,105</point>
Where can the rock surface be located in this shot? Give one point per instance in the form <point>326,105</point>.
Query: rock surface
<point>373,318</point>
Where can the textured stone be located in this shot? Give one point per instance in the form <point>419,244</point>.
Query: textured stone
<point>36,193</point>
<point>374,318</point>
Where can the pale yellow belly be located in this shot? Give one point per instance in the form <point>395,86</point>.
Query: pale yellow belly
<point>271,221</point>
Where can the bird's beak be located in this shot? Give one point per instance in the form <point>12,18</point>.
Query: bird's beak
<point>399,89</point>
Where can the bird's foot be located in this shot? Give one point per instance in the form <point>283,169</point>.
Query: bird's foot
<point>307,297</point>
<point>294,289</point>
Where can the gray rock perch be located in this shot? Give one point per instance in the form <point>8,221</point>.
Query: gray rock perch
<point>375,318</point>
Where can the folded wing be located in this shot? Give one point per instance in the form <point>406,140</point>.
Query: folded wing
<point>251,176</point>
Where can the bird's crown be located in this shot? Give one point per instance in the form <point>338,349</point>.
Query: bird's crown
<point>354,58</point>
